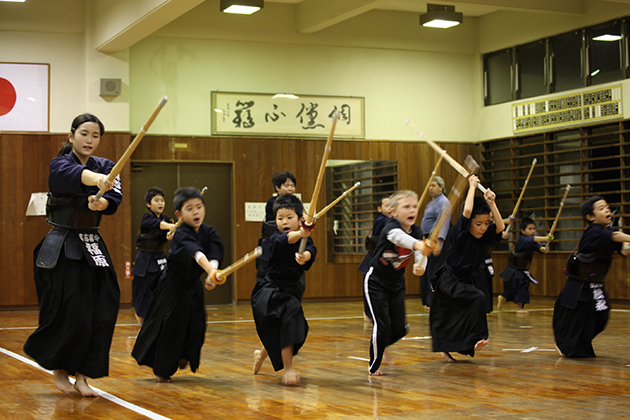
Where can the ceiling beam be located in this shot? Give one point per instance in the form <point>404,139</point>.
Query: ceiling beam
<point>119,24</point>
<point>546,6</point>
<point>315,15</point>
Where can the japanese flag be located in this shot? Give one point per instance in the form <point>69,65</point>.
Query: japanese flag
<point>23,97</point>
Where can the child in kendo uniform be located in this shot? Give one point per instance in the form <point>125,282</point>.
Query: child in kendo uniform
<point>581,310</point>
<point>458,312</point>
<point>150,260</point>
<point>276,298</point>
<point>516,276</point>
<point>284,183</point>
<point>175,327</point>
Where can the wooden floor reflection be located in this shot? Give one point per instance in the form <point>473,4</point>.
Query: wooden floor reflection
<point>518,375</point>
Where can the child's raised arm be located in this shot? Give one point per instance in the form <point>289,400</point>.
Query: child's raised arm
<point>490,197</point>
<point>470,197</point>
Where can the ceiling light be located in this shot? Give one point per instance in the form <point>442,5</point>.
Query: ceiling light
<point>16,1</point>
<point>241,7</point>
<point>607,37</point>
<point>285,95</point>
<point>440,16</point>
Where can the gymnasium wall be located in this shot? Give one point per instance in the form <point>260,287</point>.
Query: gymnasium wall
<point>24,169</point>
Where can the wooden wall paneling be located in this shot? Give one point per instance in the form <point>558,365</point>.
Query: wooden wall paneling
<point>365,147</point>
<point>408,157</point>
<point>11,170</point>
<point>617,281</point>
<point>17,183</point>
<point>158,148</point>
<point>247,188</point>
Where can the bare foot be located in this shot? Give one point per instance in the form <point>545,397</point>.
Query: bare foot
<point>377,373</point>
<point>82,386</point>
<point>163,379</point>
<point>259,358</point>
<point>183,363</point>
<point>480,344</point>
<point>560,351</point>
<point>500,302</point>
<point>448,357</point>
<point>61,381</point>
<point>367,319</point>
<point>290,377</point>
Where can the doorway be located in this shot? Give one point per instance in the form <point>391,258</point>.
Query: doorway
<point>171,176</point>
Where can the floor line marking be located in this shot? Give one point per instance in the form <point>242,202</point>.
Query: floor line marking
<point>101,393</point>
<point>18,328</point>
<point>529,350</point>
<point>359,358</point>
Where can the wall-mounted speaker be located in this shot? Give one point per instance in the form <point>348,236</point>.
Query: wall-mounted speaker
<point>110,87</point>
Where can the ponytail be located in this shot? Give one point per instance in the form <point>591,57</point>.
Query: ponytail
<point>66,148</point>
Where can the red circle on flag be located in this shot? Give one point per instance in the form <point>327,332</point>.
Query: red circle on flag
<point>7,96</point>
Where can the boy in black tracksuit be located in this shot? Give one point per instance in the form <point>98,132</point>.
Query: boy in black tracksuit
<point>384,284</point>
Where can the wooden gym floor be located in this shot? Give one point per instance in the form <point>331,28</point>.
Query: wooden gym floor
<point>518,375</point>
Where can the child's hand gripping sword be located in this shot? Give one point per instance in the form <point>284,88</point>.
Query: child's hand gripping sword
<point>518,202</point>
<point>308,224</point>
<point>136,141</point>
<point>220,276</point>
<point>459,168</point>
